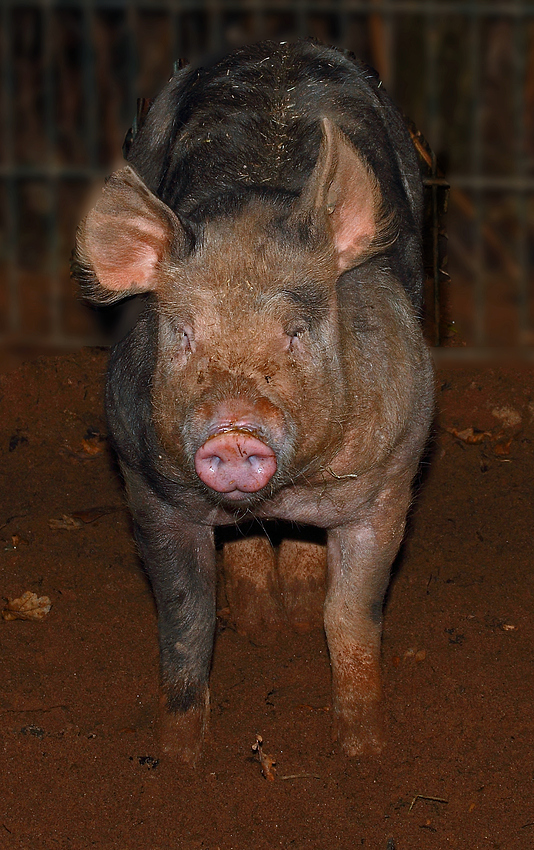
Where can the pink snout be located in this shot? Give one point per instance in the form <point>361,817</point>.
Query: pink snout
<point>235,462</point>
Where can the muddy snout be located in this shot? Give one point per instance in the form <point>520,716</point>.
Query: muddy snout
<point>235,462</point>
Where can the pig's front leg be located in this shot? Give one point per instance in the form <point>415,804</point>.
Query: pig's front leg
<point>359,561</point>
<point>179,558</point>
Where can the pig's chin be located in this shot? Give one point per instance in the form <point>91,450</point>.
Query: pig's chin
<point>237,501</point>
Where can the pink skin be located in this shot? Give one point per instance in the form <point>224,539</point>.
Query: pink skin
<point>235,462</point>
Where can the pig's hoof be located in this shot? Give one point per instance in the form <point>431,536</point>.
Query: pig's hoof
<point>182,733</point>
<point>362,732</point>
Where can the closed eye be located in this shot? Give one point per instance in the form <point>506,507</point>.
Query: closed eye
<point>183,336</point>
<point>296,331</point>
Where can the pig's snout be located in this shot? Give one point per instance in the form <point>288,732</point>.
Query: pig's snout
<point>235,462</point>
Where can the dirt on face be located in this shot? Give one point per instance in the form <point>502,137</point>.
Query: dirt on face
<point>81,765</point>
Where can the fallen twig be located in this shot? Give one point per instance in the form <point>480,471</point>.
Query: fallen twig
<point>301,776</point>
<point>425,797</point>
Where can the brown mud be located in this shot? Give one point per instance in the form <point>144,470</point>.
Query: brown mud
<point>81,765</point>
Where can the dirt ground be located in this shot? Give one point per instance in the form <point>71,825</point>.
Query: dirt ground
<point>78,690</point>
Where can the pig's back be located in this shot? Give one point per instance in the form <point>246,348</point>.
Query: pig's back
<point>250,124</point>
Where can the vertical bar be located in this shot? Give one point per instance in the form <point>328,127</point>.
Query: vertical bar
<point>12,212</point>
<point>90,92</point>
<point>431,43</point>
<point>176,47</point>
<point>520,47</point>
<point>342,24</point>
<point>216,33</point>
<point>52,223</point>
<point>391,32</point>
<point>258,28</point>
<point>432,47</point>
<point>380,31</point>
<point>131,20</point>
<point>432,110</point>
<point>436,305</point>
<point>301,15</point>
<point>476,169</point>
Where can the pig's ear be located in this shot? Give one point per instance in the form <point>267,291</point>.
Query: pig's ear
<point>344,193</point>
<point>120,244</point>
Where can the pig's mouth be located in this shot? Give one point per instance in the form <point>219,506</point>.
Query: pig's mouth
<point>235,464</point>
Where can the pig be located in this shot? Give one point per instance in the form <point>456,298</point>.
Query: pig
<point>270,211</point>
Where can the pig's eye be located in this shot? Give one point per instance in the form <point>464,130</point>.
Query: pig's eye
<point>184,338</point>
<point>297,329</point>
<point>295,333</point>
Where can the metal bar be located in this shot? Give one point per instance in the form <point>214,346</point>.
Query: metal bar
<point>512,184</point>
<point>431,76</point>
<point>216,38</point>
<point>57,172</point>
<point>11,195</point>
<point>301,14</point>
<point>520,49</point>
<point>258,17</point>
<point>52,217</point>
<point>435,255</point>
<point>176,40</point>
<point>379,23</point>
<point>62,343</point>
<point>476,164</point>
<point>90,99</point>
<point>483,8</point>
<point>131,22</point>
<point>488,183</point>
<point>483,354</point>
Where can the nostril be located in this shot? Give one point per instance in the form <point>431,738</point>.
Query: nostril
<point>235,462</point>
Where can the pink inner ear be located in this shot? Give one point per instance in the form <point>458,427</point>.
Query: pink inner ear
<point>125,237</point>
<point>125,251</point>
<point>353,200</point>
<point>354,214</point>
<point>121,273</point>
<point>354,230</point>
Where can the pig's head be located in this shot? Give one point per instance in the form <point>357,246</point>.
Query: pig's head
<point>249,390</point>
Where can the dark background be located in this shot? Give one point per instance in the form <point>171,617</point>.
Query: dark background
<point>71,73</point>
<point>81,762</point>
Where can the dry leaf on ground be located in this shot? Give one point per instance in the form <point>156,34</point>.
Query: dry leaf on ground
<point>509,416</point>
<point>29,606</point>
<point>66,523</point>
<point>470,435</point>
<point>267,763</point>
<point>502,448</point>
<point>94,445</point>
<point>90,514</point>
<point>77,519</point>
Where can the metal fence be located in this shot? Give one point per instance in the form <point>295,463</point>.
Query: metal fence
<point>462,70</point>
